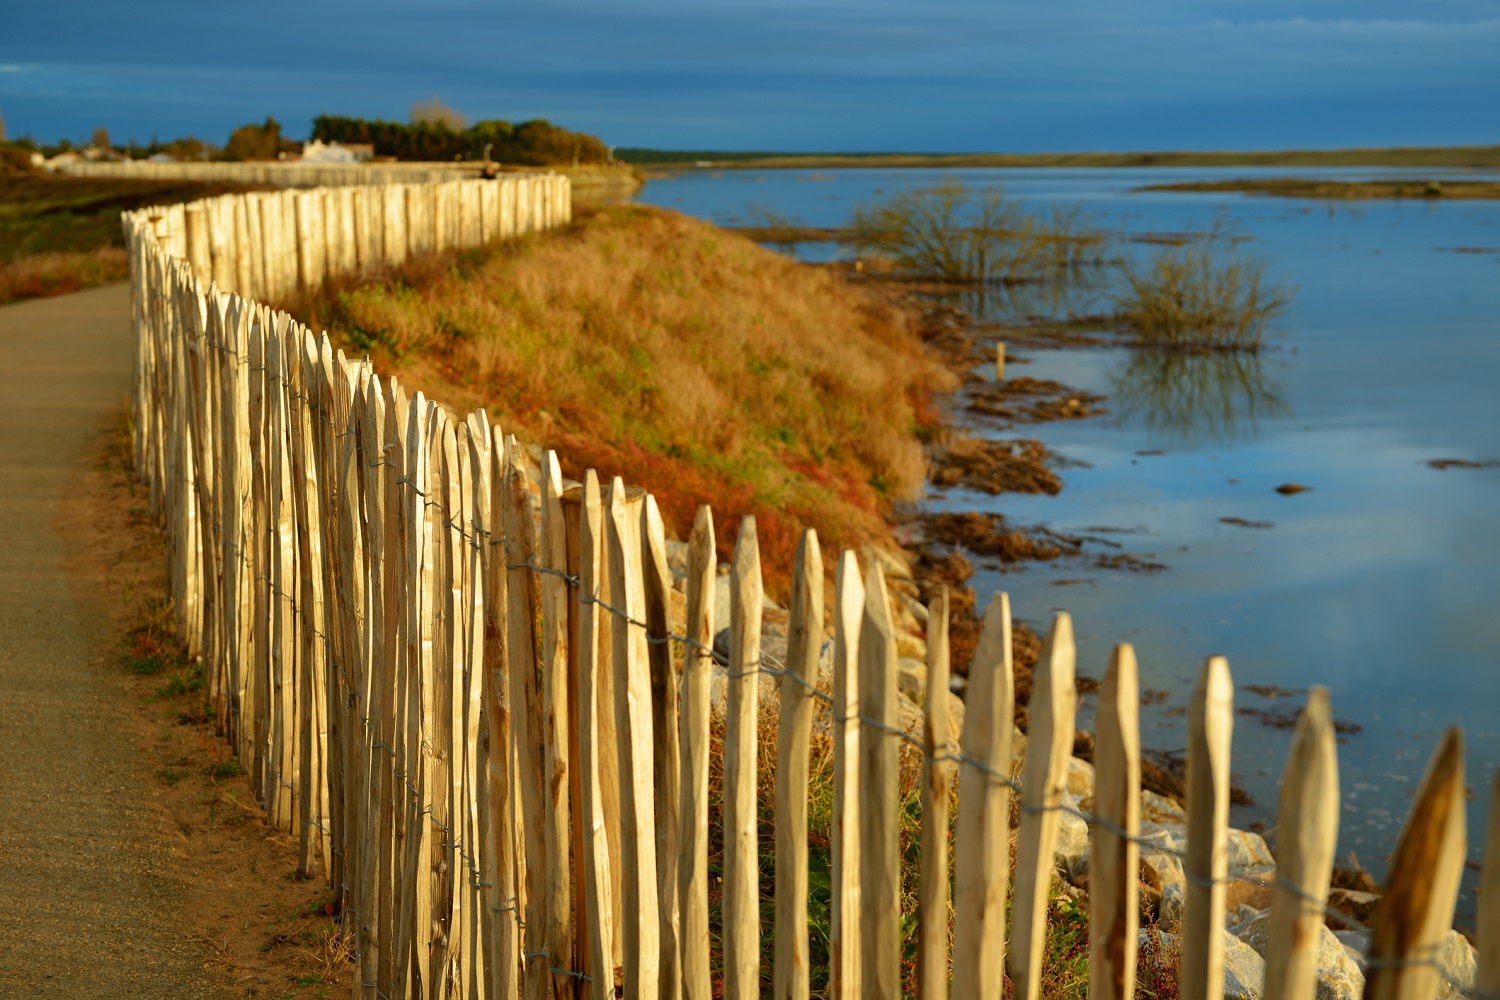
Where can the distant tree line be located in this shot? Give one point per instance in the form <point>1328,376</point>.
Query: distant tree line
<point>534,143</point>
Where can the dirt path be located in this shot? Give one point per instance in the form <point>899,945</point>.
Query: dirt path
<point>89,901</point>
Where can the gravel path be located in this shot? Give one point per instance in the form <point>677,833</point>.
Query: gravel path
<point>89,903</point>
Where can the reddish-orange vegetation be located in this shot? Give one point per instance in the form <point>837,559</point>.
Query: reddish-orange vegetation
<point>679,356</point>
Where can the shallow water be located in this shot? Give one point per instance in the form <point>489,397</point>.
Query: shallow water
<point>1382,582</point>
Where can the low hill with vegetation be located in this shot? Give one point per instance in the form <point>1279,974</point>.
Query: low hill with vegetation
<point>684,358</point>
<point>532,143</point>
<point>61,234</point>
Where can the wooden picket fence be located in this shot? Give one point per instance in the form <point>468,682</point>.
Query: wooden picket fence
<point>489,739</point>
<point>273,173</point>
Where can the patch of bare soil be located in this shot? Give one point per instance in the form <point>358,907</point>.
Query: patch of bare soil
<point>1285,717</point>
<point>992,536</point>
<point>1033,401</point>
<point>997,466</point>
<point>1443,464</point>
<point>267,931</point>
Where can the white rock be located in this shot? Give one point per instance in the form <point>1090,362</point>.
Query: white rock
<point>1355,944</point>
<point>1244,970</point>
<point>1457,959</point>
<point>1339,976</point>
<point>1080,781</point>
<point>1072,848</point>
<point>891,563</point>
<point>1247,850</point>
<point>911,679</point>
<point>1169,914</point>
<point>1160,809</point>
<point>1245,912</point>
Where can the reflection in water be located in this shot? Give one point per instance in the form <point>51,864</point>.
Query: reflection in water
<point>1185,397</point>
<point>1076,291</point>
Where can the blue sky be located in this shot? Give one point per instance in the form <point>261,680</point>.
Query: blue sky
<point>944,75</point>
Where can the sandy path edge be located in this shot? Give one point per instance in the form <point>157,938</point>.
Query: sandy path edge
<point>91,899</point>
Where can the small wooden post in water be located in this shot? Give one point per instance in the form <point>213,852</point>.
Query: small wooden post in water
<point>1000,361</point>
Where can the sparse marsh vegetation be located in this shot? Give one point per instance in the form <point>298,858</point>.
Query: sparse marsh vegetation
<point>952,232</point>
<point>1203,295</point>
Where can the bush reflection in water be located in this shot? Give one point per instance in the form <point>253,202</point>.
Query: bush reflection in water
<point>1186,397</point>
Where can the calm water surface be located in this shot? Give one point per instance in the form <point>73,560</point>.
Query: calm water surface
<point>1382,582</point>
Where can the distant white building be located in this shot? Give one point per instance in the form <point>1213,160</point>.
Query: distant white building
<point>318,151</point>
<point>161,158</point>
<point>62,160</point>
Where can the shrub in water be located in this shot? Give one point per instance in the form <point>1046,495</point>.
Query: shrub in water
<point>957,233</point>
<point>1204,295</point>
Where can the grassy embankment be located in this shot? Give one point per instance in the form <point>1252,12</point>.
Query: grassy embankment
<point>693,362</point>
<point>686,359</point>
<point>61,234</point>
<point>1401,156</point>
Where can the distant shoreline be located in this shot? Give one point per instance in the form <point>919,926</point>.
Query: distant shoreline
<point>1301,187</point>
<point>1403,156</point>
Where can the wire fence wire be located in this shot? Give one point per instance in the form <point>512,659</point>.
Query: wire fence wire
<point>769,666</point>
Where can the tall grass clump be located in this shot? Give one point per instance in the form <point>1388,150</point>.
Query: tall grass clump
<point>952,232</point>
<point>1202,296</point>
<point>682,357</point>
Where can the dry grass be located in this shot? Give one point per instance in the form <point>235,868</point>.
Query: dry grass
<point>682,357</point>
<point>60,272</point>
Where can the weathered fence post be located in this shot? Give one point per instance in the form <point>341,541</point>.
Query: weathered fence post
<point>666,760</point>
<point>804,640</point>
<point>1416,908</point>
<point>937,772</point>
<point>982,838</point>
<point>1114,857</point>
<point>642,930</point>
<point>596,861</point>
<point>1210,721</point>
<point>741,854</point>
<point>1309,824</point>
<point>844,950</point>
<point>1049,745</point>
<point>692,841</point>
<point>880,872</point>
